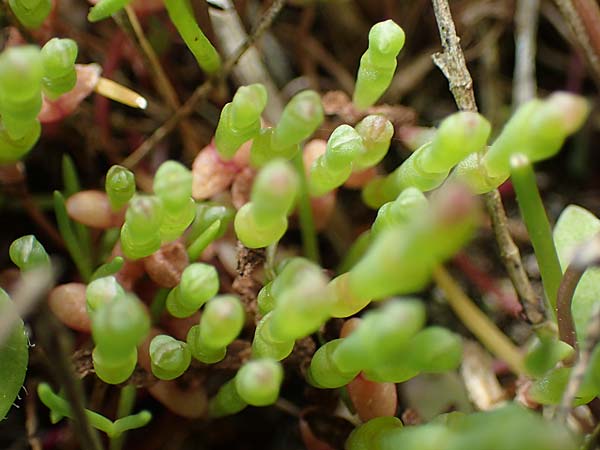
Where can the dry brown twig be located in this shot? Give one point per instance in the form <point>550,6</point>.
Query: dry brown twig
<point>452,64</point>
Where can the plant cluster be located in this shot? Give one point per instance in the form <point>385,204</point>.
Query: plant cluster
<point>167,239</point>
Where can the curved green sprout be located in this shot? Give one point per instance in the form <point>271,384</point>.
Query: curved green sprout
<point>21,74</point>
<point>199,283</point>
<point>458,136</point>
<point>300,118</point>
<point>31,13</point>
<point>378,63</point>
<point>240,119</point>
<point>140,234</point>
<point>256,383</point>
<point>58,60</point>
<point>14,356</point>
<point>169,357</point>
<point>221,322</point>
<point>119,186</point>
<point>27,253</point>
<point>59,407</point>
<point>263,220</point>
<point>210,223</point>
<point>182,16</point>
<point>109,268</point>
<point>105,8</point>
<point>118,327</point>
<point>173,186</point>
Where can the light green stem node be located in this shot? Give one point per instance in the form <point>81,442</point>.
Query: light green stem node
<point>140,235</point>
<point>118,327</point>
<point>409,203</point>
<point>199,283</point>
<point>334,167</point>
<point>258,381</point>
<point>376,132</point>
<point>169,357</point>
<point>287,271</point>
<point>182,16</point>
<point>299,120</point>
<point>378,63</point>
<point>101,292</point>
<point>12,150</point>
<point>27,253</point>
<point>302,302</point>
<point>263,220</point>
<point>324,373</point>
<point>31,13</point>
<point>221,322</point>
<point>119,186</point>
<point>263,151</point>
<point>21,74</point>
<point>173,186</point>
<point>264,345</point>
<point>240,119</point>
<point>58,60</point>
